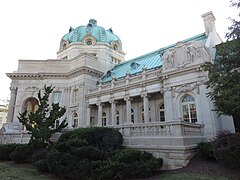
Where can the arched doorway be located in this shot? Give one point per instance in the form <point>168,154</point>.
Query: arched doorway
<point>31,105</point>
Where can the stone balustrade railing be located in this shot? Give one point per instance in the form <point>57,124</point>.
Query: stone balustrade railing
<point>173,128</point>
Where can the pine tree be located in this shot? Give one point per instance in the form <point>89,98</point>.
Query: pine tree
<point>40,123</point>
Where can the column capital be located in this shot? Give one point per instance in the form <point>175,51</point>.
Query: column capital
<point>13,88</point>
<point>99,103</point>
<point>144,94</point>
<point>112,101</point>
<point>128,98</point>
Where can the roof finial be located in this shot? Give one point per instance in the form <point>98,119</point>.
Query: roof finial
<point>70,29</point>
<point>110,30</point>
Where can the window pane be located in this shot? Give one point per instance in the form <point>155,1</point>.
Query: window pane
<point>188,98</point>
<point>57,97</point>
<point>161,113</point>
<point>193,113</point>
<point>185,113</point>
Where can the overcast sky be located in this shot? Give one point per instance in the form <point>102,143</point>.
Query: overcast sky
<point>32,29</point>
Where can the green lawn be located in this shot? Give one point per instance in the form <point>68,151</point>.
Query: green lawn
<point>186,176</point>
<point>9,171</point>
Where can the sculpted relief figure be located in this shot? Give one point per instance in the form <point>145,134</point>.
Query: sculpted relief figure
<point>183,54</point>
<point>192,52</point>
<point>169,59</point>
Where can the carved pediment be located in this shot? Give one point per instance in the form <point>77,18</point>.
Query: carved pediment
<point>184,54</point>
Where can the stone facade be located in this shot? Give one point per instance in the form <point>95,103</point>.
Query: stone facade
<point>157,101</point>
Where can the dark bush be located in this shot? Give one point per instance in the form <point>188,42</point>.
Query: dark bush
<point>129,164</point>
<point>111,170</point>
<point>62,164</point>
<point>89,152</point>
<point>64,146</point>
<point>21,153</point>
<point>206,150</point>
<point>65,136</point>
<point>6,150</point>
<point>41,165</point>
<point>39,155</point>
<point>226,149</point>
<point>101,137</point>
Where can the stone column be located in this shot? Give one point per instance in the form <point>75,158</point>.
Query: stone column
<point>168,104</point>
<point>128,109</point>
<point>146,107</point>
<point>12,104</point>
<point>88,115</point>
<point>99,114</point>
<point>113,112</point>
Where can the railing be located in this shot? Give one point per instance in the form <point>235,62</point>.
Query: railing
<point>21,137</point>
<point>173,128</point>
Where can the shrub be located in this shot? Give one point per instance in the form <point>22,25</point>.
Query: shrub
<point>129,164</point>
<point>226,149</point>
<point>64,146</point>
<point>206,150</point>
<point>111,170</point>
<point>6,150</point>
<point>62,164</point>
<point>41,165</point>
<point>39,155</point>
<point>101,137</point>
<point>21,153</point>
<point>89,152</point>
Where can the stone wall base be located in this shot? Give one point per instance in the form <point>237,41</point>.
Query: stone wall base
<point>174,157</point>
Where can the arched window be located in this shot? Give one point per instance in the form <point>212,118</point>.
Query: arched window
<point>132,116</point>
<point>161,113</point>
<point>115,47</point>
<point>75,120</point>
<point>117,117</point>
<point>189,109</point>
<point>104,119</point>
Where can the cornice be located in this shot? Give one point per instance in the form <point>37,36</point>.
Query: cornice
<point>41,76</point>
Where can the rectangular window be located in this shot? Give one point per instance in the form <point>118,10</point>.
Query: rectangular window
<point>57,95</point>
<point>75,96</point>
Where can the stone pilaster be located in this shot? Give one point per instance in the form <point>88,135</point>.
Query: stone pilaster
<point>128,109</point>
<point>113,112</point>
<point>99,114</point>
<point>146,107</point>
<point>12,104</point>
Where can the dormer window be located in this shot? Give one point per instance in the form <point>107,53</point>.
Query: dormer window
<point>115,47</point>
<point>89,42</point>
<point>134,65</point>
<point>109,74</point>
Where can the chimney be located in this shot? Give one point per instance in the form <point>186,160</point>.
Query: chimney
<point>209,22</point>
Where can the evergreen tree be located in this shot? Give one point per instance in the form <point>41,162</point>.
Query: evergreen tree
<point>40,123</point>
<point>224,74</point>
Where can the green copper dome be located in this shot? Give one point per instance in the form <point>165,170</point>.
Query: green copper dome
<point>98,32</point>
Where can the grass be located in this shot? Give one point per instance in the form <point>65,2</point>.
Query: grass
<point>11,171</point>
<point>184,176</point>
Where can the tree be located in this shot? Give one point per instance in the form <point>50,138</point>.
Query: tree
<point>40,123</point>
<point>224,74</point>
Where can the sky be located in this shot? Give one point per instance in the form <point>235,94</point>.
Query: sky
<point>32,29</point>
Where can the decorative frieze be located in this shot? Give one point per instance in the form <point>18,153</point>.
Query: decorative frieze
<point>185,88</point>
<point>181,55</point>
